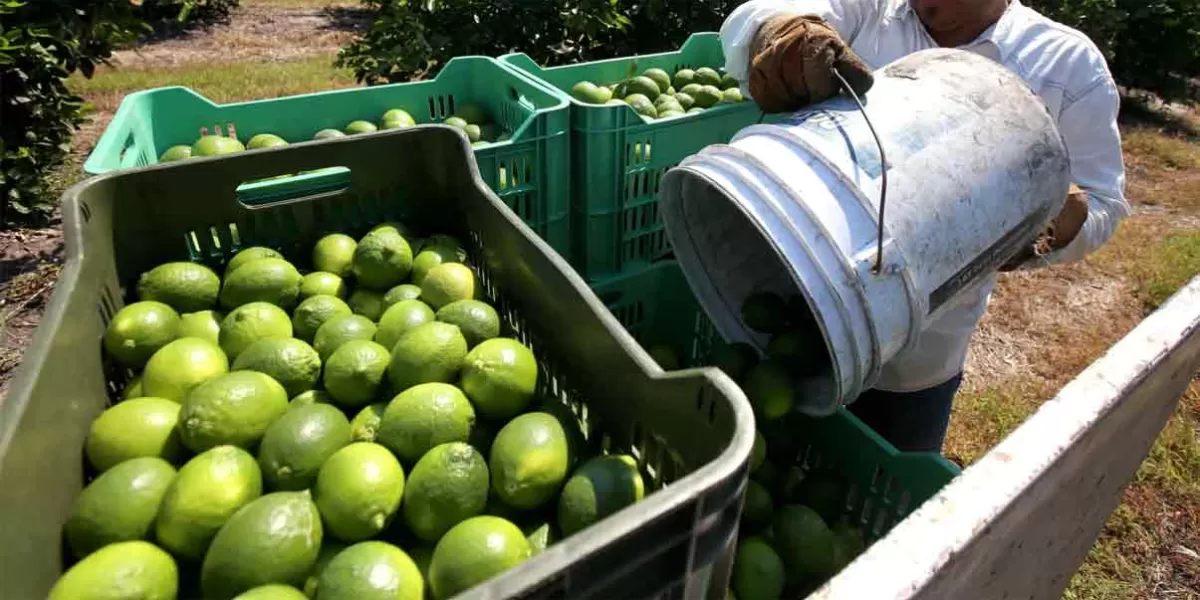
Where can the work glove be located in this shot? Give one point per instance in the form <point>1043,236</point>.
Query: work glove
<point>1059,233</point>
<point>791,63</point>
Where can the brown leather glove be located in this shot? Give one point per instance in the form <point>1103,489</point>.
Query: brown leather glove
<point>791,59</point>
<point>1061,231</point>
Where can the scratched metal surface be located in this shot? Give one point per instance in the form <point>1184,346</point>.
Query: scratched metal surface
<point>1018,523</point>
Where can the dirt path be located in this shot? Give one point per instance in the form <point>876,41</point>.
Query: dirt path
<point>256,32</point>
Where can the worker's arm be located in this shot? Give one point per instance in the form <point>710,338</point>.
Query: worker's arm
<point>737,32</point>
<point>1089,128</point>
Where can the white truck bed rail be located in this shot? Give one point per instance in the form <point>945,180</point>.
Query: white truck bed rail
<point>1018,523</point>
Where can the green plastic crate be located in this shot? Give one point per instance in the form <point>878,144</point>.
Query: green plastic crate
<point>691,431</point>
<point>618,159</point>
<point>658,308</point>
<point>529,172</point>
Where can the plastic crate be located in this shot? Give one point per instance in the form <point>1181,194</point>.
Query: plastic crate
<point>529,172</point>
<point>618,159</point>
<point>658,308</point>
<point>692,430</point>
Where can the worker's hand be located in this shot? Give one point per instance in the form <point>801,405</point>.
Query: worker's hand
<point>791,60</point>
<point>1061,231</point>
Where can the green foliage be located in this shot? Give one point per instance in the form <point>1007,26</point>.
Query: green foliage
<point>41,43</point>
<point>1150,44</point>
<point>408,40</point>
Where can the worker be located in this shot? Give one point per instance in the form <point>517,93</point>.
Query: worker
<point>782,52</point>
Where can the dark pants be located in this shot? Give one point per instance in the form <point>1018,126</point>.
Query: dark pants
<point>911,421</point>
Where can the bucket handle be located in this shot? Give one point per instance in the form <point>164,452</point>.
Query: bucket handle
<point>878,266</point>
<point>883,170</point>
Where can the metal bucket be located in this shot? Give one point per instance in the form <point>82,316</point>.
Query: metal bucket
<point>975,169</point>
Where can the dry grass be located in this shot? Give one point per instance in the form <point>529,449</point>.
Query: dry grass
<point>258,31</point>
<point>1026,350</point>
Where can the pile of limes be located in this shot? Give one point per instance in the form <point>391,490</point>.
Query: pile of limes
<point>366,430</point>
<point>471,118</point>
<point>655,94</point>
<point>795,532</point>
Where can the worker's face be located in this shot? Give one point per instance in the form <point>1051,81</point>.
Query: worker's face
<point>944,16</point>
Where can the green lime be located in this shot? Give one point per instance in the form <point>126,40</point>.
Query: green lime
<point>137,331</point>
<point>232,409</point>
<point>382,259</point>
<point>367,303</point>
<point>208,490</point>
<point>758,572</point>
<point>732,96</point>
<point>175,153</point>
<point>686,101</point>
<point>247,255</point>
<point>364,427</point>
<point>180,366</point>
<point>660,77</point>
<point>274,539</point>
<point>185,286</point>
<point>433,352</point>
<point>597,489</point>
<point>758,508</point>
<point>708,76</point>
<point>358,491</point>
<point>446,283</point>
<point>265,140</point>
<point>290,361</point>
<point>765,312</point>
<point>803,541</point>
<point>119,505</point>
<point>473,552</point>
<point>404,291</point>
<point>357,127</point>
<point>424,416</point>
<point>354,372</point>
<point>529,460</point>
<point>728,82</point>
<point>590,93</point>
<point>431,257</point>
<point>477,320</point>
<point>296,445</point>
<point>759,452</point>
<point>448,485</point>
<point>371,571</point>
<point>320,283</point>
<point>500,377</point>
<point>329,549</point>
<point>133,389</point>
<point>123,570</point>
<point>214,145</point>
<point>272,591</point>
<point>400,318</point>
<point>249,323</point>
<point>310,397</point>
<point>824,493</point>
<point>205,324</point>
<point>684,77</point>
<point>735,359</point>
<point>399,115</point>
<point>313,312</point>
<point>271,280</point>
<point>326,134</point>
<point>334,253</point>
<point>340,329</point>
<point>848,544</point>
<point>770,390</point>
<point>134,428</point>
<point>540,536</point>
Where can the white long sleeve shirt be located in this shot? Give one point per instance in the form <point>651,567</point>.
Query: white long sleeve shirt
<point>1062,66</point>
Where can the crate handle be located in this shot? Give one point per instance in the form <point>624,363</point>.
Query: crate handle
<point>332,181</point>
<point>522,99</point>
